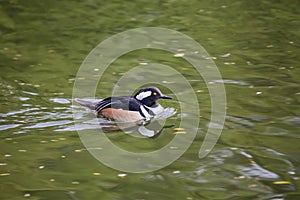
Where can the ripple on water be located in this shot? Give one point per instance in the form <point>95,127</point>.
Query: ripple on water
<point>241,121</point>
<point>9,126</point>
<point>233,82</point>
<point>33,116</point>
<point>256,171</point>
<point>292,120</point>
<point>60,100</point>
<point>227,172</point>
<point>49,124</point>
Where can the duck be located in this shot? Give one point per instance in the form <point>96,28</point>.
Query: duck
<point>142,106</point>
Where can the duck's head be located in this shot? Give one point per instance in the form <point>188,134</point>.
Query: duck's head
<point>149,95</point>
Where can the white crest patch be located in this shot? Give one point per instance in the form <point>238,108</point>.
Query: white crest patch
<point>143,95</point>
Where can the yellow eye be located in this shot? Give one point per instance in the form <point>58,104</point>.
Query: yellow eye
<point>154,93</point>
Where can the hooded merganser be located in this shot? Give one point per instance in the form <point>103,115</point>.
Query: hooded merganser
<point>142,106</point>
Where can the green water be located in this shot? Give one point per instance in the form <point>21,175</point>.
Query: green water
<point>255,45</point>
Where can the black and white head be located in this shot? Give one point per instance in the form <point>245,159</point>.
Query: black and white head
<point>149,95</point>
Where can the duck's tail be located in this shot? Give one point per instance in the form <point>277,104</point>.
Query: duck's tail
<point>89,104</point>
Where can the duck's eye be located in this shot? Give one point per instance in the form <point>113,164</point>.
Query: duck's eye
<point>154,93</point>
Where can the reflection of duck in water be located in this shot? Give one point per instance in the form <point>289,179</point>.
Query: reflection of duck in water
<point>128,111</point>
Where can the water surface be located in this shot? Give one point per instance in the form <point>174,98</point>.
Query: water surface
<point>255,45</point>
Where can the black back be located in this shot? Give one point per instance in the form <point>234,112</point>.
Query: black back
<point>120,102</point>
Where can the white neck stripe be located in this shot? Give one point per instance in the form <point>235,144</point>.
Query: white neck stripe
<point>145,112</point>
